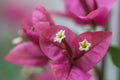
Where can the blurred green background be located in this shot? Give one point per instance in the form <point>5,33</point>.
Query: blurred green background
<point>8,71</point>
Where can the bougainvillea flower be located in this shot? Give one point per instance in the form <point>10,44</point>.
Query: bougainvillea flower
<point>73,56</point>
<point>48,42</point>
<point>27,54</point>
<point>88,11</point>
<point>32,26</point>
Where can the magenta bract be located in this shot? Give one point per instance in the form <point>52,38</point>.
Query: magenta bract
<point>32,26</point>
<point>100,41</point>
<point>27,54</point>
<point>41,15</point>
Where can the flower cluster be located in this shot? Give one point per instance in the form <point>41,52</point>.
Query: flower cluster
<point>87,12</point>
<point>70,56</point>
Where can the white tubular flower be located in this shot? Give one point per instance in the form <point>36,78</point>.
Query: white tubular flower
<point>17,40</point>
<point>84,45</point>
<point>60,36</point>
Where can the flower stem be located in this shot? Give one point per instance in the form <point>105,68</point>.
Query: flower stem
<point>69,52</point>
<point>85,6</point>
<point>98,72</point>
<point>79,56</point>
<point>95,4</point>
<point>103,66</point>
<point>68,47</point>
<point>30,78</point>
<point>93,25</point>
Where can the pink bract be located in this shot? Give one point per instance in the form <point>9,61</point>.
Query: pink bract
<point>100,41</point>
<point>27,54</point>
<point>31,31</point>
<point>32,26</point>
<point>41,15</point>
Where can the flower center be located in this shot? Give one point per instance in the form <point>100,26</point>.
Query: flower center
<point>84,45</point>
<point>59,36</point>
